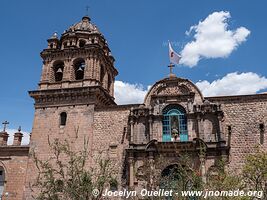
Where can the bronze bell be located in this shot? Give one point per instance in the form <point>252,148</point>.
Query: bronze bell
<point>59,71</point>
<point>80,69</point>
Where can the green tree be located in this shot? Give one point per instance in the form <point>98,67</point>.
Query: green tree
<point>67,176</point>
<point>254,173</point>
<point>219,179</point>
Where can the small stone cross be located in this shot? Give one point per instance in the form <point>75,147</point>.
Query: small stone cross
<point>5,123</point>
<point>171,66</point>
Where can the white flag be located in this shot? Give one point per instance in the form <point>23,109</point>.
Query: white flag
<point>174,57</point>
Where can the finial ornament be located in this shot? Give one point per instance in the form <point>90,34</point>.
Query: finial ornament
<point>5,123</point>
<point>55,34</point>
<point>19,129</point>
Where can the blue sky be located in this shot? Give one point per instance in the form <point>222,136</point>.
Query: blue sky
<point>137,33</point>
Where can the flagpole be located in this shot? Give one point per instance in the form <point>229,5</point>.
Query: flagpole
<point>174,59</point>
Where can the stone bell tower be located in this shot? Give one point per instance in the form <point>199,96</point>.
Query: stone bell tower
<point>78,75</point>
<point>81,61</point>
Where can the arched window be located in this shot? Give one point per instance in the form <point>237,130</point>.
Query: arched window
<point>82,43</point>
<point>2,180</point>
<point>170,178</point>
<point>79,67</point>
<point>63,118</point>
<point>102,73</point>
<point>174,124</point>
<point>58,70</point>
<point>65,44</point>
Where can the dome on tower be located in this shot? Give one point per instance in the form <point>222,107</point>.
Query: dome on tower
<point>84,25</point>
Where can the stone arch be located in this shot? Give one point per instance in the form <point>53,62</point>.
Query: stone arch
<point>3,177</point>
<point>58,70</point>
<point>167,170</point>
<point>82,43</point>
<point>79,68</point>
<point>170,106</point>
<point>169,177</point>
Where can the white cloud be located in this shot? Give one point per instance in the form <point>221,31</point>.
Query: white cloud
<point>25,138</point>
<point>127,93</point>
<point>234,84</point>
<point>212,39</point>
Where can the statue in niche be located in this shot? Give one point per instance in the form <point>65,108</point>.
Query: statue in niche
<point>175,127</point>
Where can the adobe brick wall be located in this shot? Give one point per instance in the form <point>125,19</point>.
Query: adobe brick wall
<point>243,114</point>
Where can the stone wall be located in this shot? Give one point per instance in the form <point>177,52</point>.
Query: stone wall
<point>46,127</point>
<point>110,135</point>
<point>14,159</point>
<point>243,114</point>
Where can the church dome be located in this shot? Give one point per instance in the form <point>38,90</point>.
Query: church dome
<point>84,25</point>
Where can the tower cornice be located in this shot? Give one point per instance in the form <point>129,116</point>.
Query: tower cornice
<point>72,97</point>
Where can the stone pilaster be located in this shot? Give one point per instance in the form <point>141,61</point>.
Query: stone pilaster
<point>203,168</point>
<point>131,172</point>
<point>132,131</point>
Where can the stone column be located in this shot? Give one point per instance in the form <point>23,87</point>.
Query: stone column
<point>67,73</point>
<point>92,59</point>
<point>150,121</point>
<point>203,168</point>
<point>199,126</point>
<point>132,131</point>
<point>152,167</point>
<point>131,171</point>
<point>111,92</point>
<point>220,129</point>
<point>45,72</point>
<point>91,67</point>
<point>3,138</point>
<point>97,69</point>
<point>87,68</point>
<point>105,80</point>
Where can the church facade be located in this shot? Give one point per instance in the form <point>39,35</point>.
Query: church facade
<point>75,99</point>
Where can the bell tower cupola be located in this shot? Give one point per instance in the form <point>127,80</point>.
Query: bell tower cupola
<point>79,59</point>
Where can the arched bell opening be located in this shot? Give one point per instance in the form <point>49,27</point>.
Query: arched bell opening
<point>82,43</point>
<point>58,67</point>
<point>79,67</point>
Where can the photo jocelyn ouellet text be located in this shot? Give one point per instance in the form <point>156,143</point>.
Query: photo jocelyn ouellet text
<point>169,193</point>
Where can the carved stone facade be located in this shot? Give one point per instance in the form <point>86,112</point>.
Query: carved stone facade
<point>204,127</point>
<point>75,99</point>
